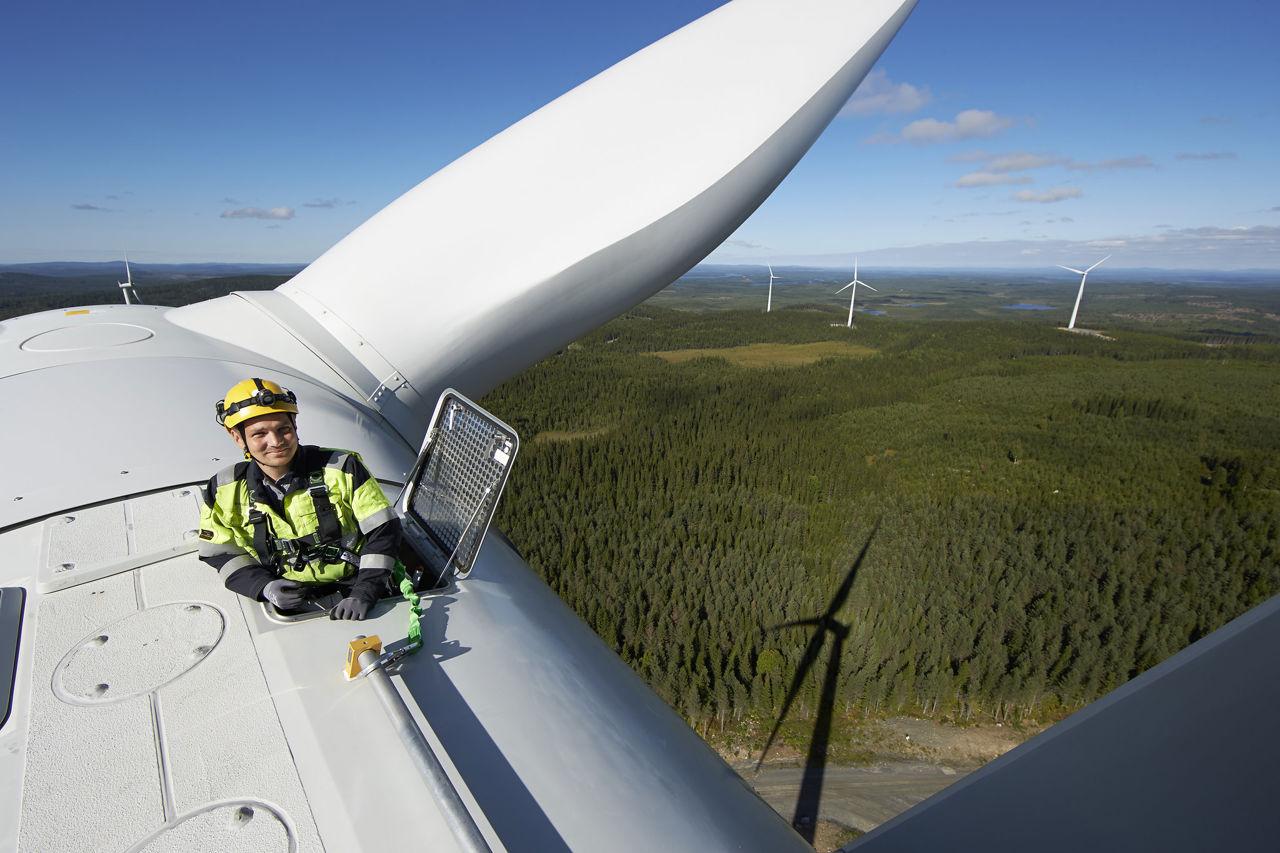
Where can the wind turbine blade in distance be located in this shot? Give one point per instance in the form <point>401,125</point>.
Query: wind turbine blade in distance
<point>1099,263</point>
<point>1072,269</point>
<point>846,287</point>
<point>868,287</point>
<point>404,309</point>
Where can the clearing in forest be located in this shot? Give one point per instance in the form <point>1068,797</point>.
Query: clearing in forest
<point>771,355</point>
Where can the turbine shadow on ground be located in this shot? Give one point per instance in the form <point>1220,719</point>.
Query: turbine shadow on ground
<point>809,799</point>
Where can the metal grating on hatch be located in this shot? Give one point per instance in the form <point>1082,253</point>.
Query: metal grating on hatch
<point>454,490</point>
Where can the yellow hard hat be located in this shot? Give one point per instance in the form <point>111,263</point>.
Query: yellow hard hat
<point>253,397</point>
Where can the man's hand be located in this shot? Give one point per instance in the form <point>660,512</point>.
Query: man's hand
<point>285,595</point>
<point>350,608</point>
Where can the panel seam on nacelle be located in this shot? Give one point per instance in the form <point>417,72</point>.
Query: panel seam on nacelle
<point>337,357</point>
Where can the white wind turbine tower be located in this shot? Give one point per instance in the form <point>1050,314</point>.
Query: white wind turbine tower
<point>1083,275</point>
<point>126,286</point>
<point>854,295</point>
<point>769,307</point>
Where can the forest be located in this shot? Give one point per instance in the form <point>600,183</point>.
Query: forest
<point>1044,515</point>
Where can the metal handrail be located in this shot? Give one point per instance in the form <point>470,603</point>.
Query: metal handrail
<point>452,809</point>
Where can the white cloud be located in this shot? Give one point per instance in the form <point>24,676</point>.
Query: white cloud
<point>969,124</point>
<point>92,207</point>
<point>258,213</point>
<point>1049,196</point>
<point>1235,233</point>
<point>1207,155</point>
<point>879,94</point>
<point>1140,161</point>
<point>989,179</point>
<point>1207,247</point>
<point>1021,161</point>
<point>744,244</point>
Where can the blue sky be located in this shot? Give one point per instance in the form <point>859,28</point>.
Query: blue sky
<point>991,133</point>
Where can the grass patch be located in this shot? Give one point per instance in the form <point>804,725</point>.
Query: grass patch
<point>771,355</point>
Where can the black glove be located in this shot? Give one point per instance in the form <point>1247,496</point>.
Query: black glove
<point>351,607</point>
<point>285,595</point>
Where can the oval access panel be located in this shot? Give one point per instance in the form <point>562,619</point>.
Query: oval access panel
<point>87,336</point>
<point>230,826</point>
<point>139,653</point>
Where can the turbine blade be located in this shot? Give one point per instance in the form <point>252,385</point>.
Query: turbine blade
<point>846,287</point>
<point>1072,269</point>
<point>868,287</point>
<point>598,206</point>
<point>1099,263</point>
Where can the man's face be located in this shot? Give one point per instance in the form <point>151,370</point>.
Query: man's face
<point>271,439</point>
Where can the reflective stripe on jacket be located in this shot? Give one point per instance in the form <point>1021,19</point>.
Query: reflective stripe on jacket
<point>362,510</point>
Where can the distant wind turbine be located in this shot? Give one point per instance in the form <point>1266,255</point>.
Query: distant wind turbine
<point>854,295</point>
<point>1083,275</point>
<point>769,306</point>
<point>126,286</point>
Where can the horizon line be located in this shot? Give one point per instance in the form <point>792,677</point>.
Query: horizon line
<point>783,265</point>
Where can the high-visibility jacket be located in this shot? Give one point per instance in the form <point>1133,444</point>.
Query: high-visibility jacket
<point>241,518</point>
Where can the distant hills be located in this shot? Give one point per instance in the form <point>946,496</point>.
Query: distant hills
<point>804,273</point>
<point>84,269</point>
<point>88,269</point>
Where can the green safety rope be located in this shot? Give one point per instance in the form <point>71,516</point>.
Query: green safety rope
<point>405,585</point>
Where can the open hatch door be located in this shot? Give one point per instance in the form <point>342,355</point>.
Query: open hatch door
<point>453,490</point>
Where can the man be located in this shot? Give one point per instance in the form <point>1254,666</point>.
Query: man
<point>297,525</point>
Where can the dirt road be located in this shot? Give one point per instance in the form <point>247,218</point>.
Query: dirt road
<point>859,797</point>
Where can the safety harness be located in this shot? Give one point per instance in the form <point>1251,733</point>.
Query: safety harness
<point>325,545</point>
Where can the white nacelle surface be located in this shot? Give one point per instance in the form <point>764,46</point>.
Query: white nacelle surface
<point>104,415</point>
